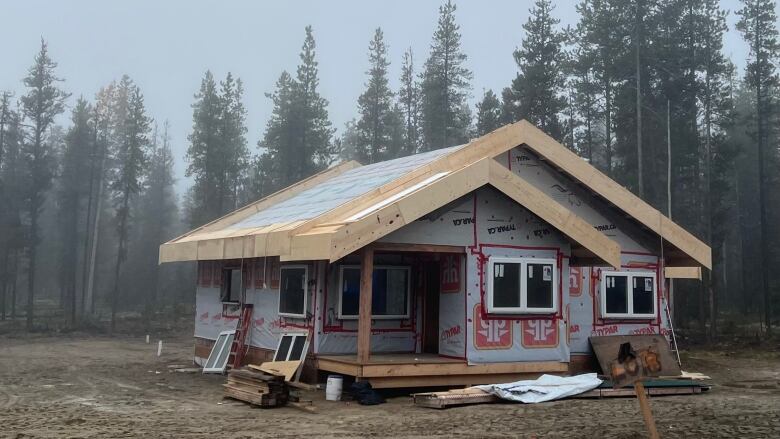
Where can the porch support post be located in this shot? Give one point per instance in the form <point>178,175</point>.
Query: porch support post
<point>364,313</point>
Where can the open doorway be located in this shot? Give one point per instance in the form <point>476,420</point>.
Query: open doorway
<point>430,327</point>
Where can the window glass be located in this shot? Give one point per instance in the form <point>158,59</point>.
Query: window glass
<point>389,291</point>
<point>643,295</point>
<point>350,291</point>
<point>292,290</point>
<point>296,352</point>
<point>617,294</point>
<point>506,285</point>
<point>224,352</point>
<point>231,285</point>
<point>283,348</point>
<point>539,286</point>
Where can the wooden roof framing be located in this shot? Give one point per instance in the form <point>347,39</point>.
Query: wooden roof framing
<point>380,210</point>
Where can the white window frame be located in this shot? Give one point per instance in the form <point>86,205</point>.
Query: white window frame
<point>305,290</point>
<point>523,308</point>
<point>225,345</point>
<point>408,270</point>
<point>294,336</point>
<point>630,275</point>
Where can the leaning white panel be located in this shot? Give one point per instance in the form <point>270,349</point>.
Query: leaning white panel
<point>220,352</point>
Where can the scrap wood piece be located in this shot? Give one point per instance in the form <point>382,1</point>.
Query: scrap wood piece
<point>302,386</point>
<point>692,376</point>
<point>286,369</point>
<point>455,397</point>
<point>306,406</point>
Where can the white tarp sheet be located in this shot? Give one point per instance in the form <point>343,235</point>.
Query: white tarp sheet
<point>545,388</point>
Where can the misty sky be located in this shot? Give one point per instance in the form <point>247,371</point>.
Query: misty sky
<point>166,46</point>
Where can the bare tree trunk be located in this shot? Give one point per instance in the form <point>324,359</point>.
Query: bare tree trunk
<point>4,283</point>
<point>95,235</point>
<point>31,268</point>
<point>639,154</point>
<point>119,257</point>
<point>13,277</point>
<point>90,194</point>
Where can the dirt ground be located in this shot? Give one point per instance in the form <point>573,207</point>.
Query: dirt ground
<point>88,386</point>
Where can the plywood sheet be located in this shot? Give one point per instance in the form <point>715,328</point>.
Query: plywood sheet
<point>286,369</point>
<point>607,347</point>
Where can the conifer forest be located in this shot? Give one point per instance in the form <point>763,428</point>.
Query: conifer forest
<point>642,89</point>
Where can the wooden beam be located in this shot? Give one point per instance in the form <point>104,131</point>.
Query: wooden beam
<point>429,369</point>
<point>682,272</point>
<point>354,235</point>
<point>580,170</point>
<point>420,248</point>
<point>364,311</point>
<point>553,213</point>
<point>178,251</point>
<point>448,380</point>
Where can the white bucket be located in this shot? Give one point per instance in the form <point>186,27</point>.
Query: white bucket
<point>333,388</point>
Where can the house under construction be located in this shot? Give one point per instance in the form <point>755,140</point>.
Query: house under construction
<point>480,263</point>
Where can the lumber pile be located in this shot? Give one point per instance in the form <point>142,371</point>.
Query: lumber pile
<point>256,388</point>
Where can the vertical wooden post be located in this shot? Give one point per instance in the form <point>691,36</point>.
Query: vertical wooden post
<point>364,313</point>
<point>644,407</point>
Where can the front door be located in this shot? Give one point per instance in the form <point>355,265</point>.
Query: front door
<point>431,281</point>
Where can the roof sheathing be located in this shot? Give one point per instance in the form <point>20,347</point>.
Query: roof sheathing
<point>338,190</point>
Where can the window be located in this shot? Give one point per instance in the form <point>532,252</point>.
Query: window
<point>293,290</point>
<point>292,347</point>
<point>220,352</point>
<point>522,286</point>
<point>389,292</point>
<point>628,294</point>
<point>230,291</point>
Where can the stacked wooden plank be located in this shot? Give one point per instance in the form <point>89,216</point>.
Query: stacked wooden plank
<point>260,389</point>
<point>455,397</point>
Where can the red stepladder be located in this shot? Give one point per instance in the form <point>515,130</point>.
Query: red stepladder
<point>240,345</point>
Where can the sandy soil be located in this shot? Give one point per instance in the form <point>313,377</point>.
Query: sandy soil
<point>85,386</point>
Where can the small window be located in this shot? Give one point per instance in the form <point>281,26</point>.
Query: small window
<point>390,288</point>
<point>292,347</point>
<point>220,352</point>
<point>628,294</point>
<point>230,291</point>
<point>293,290</point>
<point>522,286</point>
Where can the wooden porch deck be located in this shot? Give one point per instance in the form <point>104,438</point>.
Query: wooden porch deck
<point>428,370</point>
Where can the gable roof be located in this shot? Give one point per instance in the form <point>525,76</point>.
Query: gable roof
<point>342,209</point>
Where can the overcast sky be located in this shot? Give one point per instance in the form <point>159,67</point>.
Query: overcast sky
<point>166,46</point>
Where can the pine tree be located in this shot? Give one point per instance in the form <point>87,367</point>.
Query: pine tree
<point>12,191</point>
<point>298,137</point>
<point>73,186</point>
<point>719,153</point>
<point>130,160</point>
<point>42,103</point>
<point>314,128</point>
<point>587,101</point>
<point>601,33</point>
<point>409,99</point>
<point>758,24</point>
<point>537,90</point>
<point>279,146</point>
<point>234,154</point>
<point>445,85</point>
<point>203,152</point>
<point>157,217</point>
<point>378,115</point>
<point>488,113</point>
